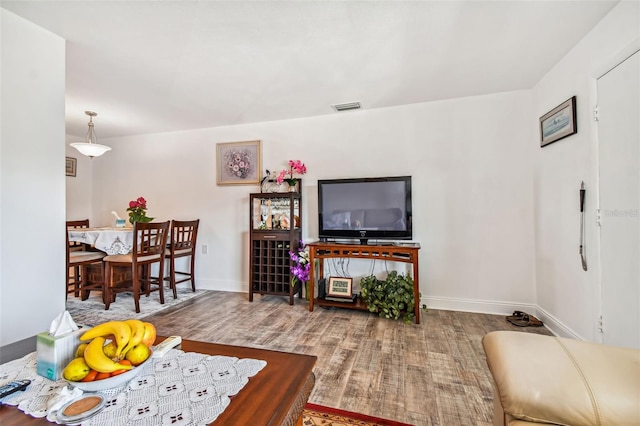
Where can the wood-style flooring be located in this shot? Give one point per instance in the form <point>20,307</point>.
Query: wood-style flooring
<point>433,373</point>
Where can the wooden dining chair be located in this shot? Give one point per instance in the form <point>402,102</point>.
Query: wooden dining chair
<point>149,241</point>
<point>79,257</point>
<point>182,244</point>
<point>73,272</point>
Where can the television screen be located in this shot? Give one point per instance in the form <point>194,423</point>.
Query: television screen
<point>365,208</point>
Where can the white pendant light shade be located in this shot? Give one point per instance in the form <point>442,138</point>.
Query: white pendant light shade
<point>90,148</point>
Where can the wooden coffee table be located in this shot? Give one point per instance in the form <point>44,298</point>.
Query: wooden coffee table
<point>274,396</point>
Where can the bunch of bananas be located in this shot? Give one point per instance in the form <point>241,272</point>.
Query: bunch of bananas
<point>113,348</point>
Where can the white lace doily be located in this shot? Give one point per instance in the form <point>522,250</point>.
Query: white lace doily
<point>181,388</point>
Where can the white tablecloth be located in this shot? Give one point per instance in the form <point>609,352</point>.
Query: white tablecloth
<point>181,388</point>
<point>108,240</point>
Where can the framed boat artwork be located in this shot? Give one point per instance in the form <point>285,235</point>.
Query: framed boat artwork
<point>559,123</point>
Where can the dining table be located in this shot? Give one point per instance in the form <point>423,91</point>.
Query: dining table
<point>110,240</point>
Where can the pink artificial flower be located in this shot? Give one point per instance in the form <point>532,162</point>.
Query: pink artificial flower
<point>297,166</point>
<point>133,204</point>
<point>281,176</point>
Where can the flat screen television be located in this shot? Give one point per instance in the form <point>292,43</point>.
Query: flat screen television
<point>365,209</point>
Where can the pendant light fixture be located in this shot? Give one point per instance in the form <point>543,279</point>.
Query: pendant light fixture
<point>90,148</point>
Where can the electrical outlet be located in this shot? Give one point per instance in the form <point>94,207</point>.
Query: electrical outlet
<point>205,249</point>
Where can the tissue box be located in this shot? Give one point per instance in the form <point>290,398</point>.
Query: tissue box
<point>55,352</point>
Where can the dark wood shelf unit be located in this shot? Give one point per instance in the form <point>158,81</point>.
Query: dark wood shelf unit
<point>357,305</point>
<point>399,252</point>
<point>269,259</point>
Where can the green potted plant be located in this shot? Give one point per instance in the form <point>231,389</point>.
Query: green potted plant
<point>390,298</point>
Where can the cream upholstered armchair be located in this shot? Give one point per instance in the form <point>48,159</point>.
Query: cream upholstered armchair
<point>546,380</point>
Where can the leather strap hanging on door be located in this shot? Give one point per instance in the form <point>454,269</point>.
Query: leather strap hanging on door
<point>582,241</point>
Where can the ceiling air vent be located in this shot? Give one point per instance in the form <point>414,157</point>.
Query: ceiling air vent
<point>346,106</point>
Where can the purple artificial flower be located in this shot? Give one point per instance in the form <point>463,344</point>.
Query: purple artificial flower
<point>301,266</point>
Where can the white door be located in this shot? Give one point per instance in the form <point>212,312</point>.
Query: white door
<point>619,201</point>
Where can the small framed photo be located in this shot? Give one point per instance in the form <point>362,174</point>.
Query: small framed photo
<point>70,166</point>
<point>340,287</point>
<point>558,123</point>
<point>238,163</point>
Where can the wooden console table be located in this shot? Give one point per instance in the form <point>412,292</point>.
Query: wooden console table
<point>398,252</point>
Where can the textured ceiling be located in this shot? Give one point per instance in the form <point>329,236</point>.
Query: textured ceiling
<point>159,66</point>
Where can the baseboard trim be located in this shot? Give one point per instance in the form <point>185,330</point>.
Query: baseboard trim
<point>554,325</point>
<point>230,286</point>
<point>17,349</point>
<point>473,305</point>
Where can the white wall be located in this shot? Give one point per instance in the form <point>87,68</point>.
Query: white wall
<point>567,296</point>
<point>79,188</point>
<point>471,167</point>
<point>32,245</point>
<point>496,215</point>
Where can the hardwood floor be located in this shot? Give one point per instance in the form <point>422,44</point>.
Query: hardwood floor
<point>433,373</point>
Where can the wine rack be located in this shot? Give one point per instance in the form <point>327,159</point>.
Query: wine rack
<point>274,232</point>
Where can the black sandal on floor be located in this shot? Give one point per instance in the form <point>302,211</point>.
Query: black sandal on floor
<point>517,316</point>
<point>526,321</point>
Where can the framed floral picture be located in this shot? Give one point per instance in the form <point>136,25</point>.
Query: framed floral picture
<point>70,166</point>
<point>238,163</point>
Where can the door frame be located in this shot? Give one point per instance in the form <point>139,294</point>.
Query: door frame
<point>606,66</point>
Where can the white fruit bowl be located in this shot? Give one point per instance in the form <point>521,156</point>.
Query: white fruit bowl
<point>111,382</point>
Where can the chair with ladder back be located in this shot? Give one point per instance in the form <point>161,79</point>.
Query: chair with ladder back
<point>182,244</point>
<point>79,258</point>
<point>149,243</point>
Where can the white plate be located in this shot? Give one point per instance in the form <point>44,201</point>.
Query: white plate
<point>99,401</point>
<point>111,382</point>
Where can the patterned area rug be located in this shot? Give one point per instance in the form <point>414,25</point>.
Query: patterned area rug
<point>326,416</point>
<point>91,311</point>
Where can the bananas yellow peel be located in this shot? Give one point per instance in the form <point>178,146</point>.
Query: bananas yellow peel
<point>96,359</point>
<point>137,333</point>
<point>119,329</point>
